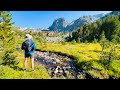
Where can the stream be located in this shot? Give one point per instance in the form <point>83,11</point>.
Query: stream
<point>59,66</point>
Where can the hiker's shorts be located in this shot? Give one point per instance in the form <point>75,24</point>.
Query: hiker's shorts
<point>29,55</point>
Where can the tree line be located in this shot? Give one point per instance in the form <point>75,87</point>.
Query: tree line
<point>108,27</point>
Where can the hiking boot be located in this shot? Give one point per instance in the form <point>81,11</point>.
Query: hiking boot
<point>24,70</point>
<point>33,70</point>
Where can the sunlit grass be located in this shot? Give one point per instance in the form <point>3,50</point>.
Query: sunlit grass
<point>12,73</point>
<point>87,57</point>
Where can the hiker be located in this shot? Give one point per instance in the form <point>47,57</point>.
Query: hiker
<point>29,47</point>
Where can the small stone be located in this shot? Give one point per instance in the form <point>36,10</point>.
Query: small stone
<point>56,71</point>
<point>66,71</point>
<point>54,62</point>
<point>57,60</point>
<point>61,71</point>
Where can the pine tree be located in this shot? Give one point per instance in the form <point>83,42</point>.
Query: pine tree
<point>95,40</point>
<point>102,36</point>
<point>8,38</point>
<point>81,31</point>
<point>103,41</point>
<point>78,40</point>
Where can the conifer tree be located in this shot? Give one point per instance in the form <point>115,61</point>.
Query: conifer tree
<point>103,41</point>
<point>8,38</point>
<point>95,40</point>
<point>78,40</point>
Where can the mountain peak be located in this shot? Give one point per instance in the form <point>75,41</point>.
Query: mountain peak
<point>61,25</point>
<point>58,24</point>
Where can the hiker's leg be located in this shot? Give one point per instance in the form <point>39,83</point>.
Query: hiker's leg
<point>25,63</point>
<point>32,61</point>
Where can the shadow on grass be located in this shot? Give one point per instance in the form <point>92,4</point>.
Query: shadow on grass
<point>17,68</point>
<point>14,67</point>
<point>87,66</point>
<point>97,51</point>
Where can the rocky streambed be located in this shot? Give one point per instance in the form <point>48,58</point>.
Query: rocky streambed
<point>59,66</point>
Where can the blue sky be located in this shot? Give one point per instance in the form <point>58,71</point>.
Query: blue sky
<point>43,19</point>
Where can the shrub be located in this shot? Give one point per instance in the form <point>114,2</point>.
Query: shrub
<point>63,42</point>
<point>73,41</point>
<point>95,40</point>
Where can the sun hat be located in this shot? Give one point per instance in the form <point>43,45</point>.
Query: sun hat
<point>28,36</point>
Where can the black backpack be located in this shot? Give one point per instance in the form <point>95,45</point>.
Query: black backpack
<point>27,45</point>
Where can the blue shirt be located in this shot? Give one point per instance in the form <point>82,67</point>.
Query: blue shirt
<point>32,50</point>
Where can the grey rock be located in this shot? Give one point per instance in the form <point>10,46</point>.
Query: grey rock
<point>57,60</point>
<point>60,25</point>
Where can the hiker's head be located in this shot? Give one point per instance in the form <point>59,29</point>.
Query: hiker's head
<point>28,36</point>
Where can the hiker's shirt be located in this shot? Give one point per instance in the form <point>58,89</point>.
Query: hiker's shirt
<point>26,50</point>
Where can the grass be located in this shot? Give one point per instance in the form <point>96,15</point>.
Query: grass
<point>86,55</point>
<point>9,73</point>
<point>17,73</point>
<point>12,73</point>
<point>87,58</point>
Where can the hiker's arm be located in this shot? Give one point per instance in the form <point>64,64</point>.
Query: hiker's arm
<point>22,47</point>
<point>34,46</point>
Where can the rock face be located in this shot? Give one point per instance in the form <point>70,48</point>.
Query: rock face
<point>60,25</point>
<point>77,23</point>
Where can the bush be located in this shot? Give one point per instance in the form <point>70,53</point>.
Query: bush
<point>86,41</point>
<point>73,41</point>
<point>78,40</point>
<point>95,40</point>
<point>63,42</point>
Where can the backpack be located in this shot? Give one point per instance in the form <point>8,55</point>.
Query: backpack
<point>28,45</point>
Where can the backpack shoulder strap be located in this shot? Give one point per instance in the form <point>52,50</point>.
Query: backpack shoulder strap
<point>23,45</point>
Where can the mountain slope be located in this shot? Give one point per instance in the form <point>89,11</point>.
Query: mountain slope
<point>60,25</point>
<point>113,13</point>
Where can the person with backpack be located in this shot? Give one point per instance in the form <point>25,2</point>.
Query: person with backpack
<point>29,47</point>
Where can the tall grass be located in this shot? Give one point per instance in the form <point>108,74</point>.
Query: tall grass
<point>87,58</point>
